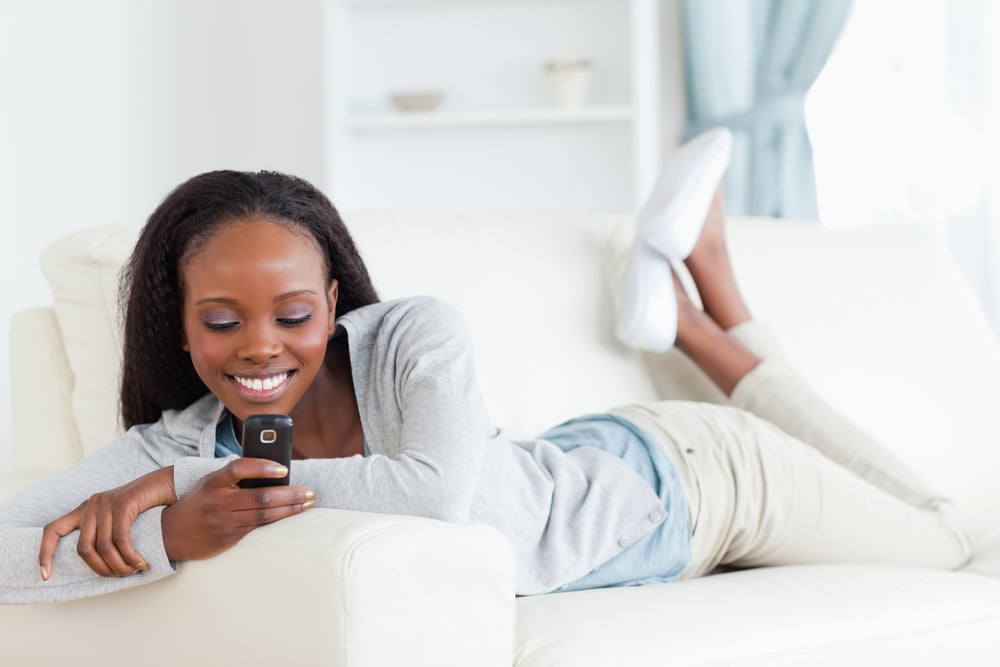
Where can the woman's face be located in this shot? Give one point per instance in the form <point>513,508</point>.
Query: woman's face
<point>257,315</point>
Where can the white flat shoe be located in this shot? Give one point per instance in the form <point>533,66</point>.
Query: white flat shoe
<point>672,217</point>
<point>647,310</point>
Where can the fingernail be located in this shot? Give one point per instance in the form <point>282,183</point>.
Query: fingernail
<point>308,504</point>
<point>141,566</point>
<point>280,470</point>
<point>310,494</point>
<point>45,573</point>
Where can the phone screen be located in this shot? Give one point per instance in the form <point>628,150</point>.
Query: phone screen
<point>268,437</point>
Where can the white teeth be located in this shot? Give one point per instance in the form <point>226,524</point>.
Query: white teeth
<point>267,384</point>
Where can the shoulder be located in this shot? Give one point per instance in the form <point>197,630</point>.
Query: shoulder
<point>179,431</point>
<point>408,316</point>
<point>414,334</point>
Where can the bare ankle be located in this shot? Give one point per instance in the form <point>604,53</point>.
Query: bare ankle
<point>724,360</point>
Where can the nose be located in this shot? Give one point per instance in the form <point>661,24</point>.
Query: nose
<point>259,344</point>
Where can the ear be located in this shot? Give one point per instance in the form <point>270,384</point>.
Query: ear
<point>331,300</point>
<point>184,341</point>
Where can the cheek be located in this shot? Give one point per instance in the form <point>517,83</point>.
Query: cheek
<point>207,352</point>
<point>313,346</point>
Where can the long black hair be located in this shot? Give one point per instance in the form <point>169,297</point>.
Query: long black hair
<point>157,374</point>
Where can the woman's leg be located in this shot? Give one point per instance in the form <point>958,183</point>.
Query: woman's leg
<point>795,481</point>
<point>757,496</point>
<point>744,361</point>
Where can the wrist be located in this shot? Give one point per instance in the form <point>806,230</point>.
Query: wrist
<point>169,537</point>
<point>169,493</point>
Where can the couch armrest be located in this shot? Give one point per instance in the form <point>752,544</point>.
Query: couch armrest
<point>45,435</point>
<point>329,587</point>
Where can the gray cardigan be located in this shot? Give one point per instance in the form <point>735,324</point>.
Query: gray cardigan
<point>434,453</point>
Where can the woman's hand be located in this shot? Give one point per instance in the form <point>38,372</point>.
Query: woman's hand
<point>105,524</point>
<point>217,513</point>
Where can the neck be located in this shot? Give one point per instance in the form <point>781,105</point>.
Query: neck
<point>327,422</point>
<point>331,386</point>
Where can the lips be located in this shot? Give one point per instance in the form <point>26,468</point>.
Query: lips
<point>260,387</point>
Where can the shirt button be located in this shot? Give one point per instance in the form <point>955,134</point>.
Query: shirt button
<point>624,542</point>
<point>656,516</point>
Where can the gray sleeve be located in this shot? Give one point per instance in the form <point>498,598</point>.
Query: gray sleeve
<point>423,380</point>
<point>23,517</point>
<point>424,366</point>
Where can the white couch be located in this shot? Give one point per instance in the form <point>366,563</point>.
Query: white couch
<point>878,318</point>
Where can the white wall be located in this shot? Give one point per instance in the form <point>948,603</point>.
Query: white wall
<point>674,101</point>
<point>107,104</point>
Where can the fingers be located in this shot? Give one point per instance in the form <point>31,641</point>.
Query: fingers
<point>85,546</point>
<point>267,497</point>
<point>104,542</point>
<point>259,516</point>
<point>51,535</point>
<point>257,507</point>
<point>114,545</point>
<point>249,468</point>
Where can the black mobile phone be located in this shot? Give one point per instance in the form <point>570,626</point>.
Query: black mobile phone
<point>268,437</point>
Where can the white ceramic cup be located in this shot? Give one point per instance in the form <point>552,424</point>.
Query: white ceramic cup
<point>570,80</point>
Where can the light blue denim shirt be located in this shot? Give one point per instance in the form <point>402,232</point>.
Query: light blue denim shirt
<point>225,438</point>
<point>660,555</point>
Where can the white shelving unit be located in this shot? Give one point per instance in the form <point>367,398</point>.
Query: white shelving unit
<point>497,140</point>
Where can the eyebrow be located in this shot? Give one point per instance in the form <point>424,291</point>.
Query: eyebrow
<point>233,302</point>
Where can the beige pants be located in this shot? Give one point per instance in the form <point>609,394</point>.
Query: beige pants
<point>778,477</point>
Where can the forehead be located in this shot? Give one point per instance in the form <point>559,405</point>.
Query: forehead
<point>250,250</point>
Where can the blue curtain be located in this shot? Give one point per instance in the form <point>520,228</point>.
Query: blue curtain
<point>748,66</point>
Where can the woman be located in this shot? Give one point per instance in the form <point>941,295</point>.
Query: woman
<point>245,295</point>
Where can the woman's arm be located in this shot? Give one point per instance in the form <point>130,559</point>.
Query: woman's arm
<point>23,518</point>
<point>422,383</point>
<point>127,535</point>
<point>105,524</point>
<point>217,513</point>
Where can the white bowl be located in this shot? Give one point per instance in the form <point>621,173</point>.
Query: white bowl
<point>417,100</point>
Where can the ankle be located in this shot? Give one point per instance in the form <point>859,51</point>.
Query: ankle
<point>724,360</point>
<point>710,253</point>
<point>694,327</point>
<point>712,272</point>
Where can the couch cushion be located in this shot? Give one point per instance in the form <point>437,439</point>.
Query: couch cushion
<point>82,271</point>
<point>887,330</point>
<point>789,616</point>
<point>877,318</point>
<point>531,285</point>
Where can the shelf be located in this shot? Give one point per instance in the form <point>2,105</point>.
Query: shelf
<point>497,139</point>
<point>402,120</point>
<point>415,3</point>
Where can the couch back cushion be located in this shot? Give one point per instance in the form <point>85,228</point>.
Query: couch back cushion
<point>82,270</point>
<point>883,324</point>
<point>532,287</point>
<point>877,318</point>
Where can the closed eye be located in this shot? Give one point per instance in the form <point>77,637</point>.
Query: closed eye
<point>294,321</point>
<point>220,326</point>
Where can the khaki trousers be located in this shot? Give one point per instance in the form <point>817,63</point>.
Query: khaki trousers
<point>778,477</point>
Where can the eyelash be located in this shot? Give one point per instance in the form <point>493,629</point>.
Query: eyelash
<point>289,322</point>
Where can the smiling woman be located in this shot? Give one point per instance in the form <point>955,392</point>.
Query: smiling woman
<point>245,295</point>
<point>213,240</point>
<point>258,311</point>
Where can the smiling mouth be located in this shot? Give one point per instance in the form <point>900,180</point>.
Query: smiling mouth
<point>261,387</point>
